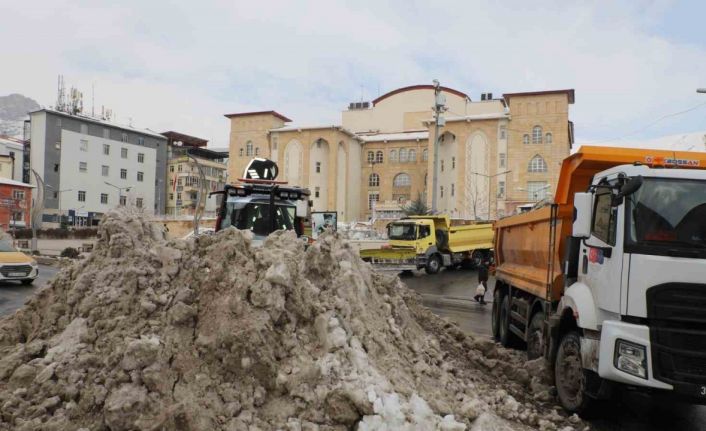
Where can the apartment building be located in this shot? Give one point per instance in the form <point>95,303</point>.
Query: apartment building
<point>11,158</point>
<point>91,165</point>
<point>495,154</point>
<point>15,204</point>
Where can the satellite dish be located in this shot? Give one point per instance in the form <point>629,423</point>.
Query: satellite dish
<point>261,169</point>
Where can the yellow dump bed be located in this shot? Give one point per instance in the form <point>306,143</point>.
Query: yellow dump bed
<point>470,237</point>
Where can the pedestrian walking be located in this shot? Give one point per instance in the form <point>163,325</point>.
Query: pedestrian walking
<point>482,282</point>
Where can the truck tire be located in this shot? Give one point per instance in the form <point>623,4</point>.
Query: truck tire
<point>433,264</point>
<point>507,338</point>
<point>535,337</point>
<point>570,377</point>
<point>495,315</point>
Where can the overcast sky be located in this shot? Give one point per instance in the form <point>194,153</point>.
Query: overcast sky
<point>181,67</point>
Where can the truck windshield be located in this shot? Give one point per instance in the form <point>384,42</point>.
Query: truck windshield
<point>402,231</point>
<point>254,216</point>
<point>668,214</point>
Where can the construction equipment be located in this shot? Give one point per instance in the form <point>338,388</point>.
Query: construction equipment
<point>607,282</point>
<point>262,205</point>
<point>432,243</point>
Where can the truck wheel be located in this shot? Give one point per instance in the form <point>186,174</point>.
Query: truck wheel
<point>569,375</point>
<point>535,337</point>
<point>495,315</point>
<point>507,338</point>
<point>433,264</point>
<point>477,258</point>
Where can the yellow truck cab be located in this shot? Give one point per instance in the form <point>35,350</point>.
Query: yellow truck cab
<point>431,243</point>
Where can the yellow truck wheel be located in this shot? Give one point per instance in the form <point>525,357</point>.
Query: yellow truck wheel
<point>433,264</point>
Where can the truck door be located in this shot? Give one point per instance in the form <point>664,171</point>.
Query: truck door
<point>601,264</point>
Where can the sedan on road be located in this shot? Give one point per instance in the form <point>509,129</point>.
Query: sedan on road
<point>15,265</point>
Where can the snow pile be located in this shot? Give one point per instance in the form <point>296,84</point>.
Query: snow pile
<point>212,334</point>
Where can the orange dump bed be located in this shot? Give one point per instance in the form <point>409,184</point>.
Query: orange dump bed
<point>526,257</point>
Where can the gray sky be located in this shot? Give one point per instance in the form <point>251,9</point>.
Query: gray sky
<point>182,66</point>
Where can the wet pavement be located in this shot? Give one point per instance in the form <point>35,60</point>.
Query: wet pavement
<point>450,294</point>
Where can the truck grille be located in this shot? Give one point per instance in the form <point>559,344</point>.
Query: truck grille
<point>677,316</point>
<point>6,270</point>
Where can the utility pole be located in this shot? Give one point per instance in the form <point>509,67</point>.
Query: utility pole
<point>439,107</point>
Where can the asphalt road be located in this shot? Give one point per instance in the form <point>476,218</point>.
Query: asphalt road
<point>13,294</point>
<point>450,294</point>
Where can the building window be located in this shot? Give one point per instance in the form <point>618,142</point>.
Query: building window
<point>537,135</point>
<point>104,198</point>
<point>56,195</point>
<point>318,167</point>
<point>604,218</point>
<point>123,200</point>
<point>140,176</point>
<point>548,138</point>
<point>249,149</point>
<point>275,140</point>
<point>171,168</point>
<point>84,145</point>
<point>104,170</point>
<point>378,157</point>
<point>501,189</point>
<point>84,129</point>
<point>441,165</point>
<point>82,166</point>
<point>106,149</point>
<point>316,192</point>
<point>123,153</point>
<point>179,167</point>
<point>404,155</point>
<point>503,132</point>
<point>537,190</point>
<point>393,156</point>
<point>57,145</point>
<point>140,158</point>
<point>123,174</point>
<point>453,189</point>
<point>180,181</point>
<point>56,167</point>
<point>371,157</point>
<point>124,137</point>
<point>58,122</point>
<point>373,197</point>
<point>257,151</point>
<point>171,196</point>
<point>412,156</point>
<point>453,162</point>
<point>106,133</point>
<point>374,180</point>
<point>18,194</point>
<point>425,155</point>
<point>401,180</point>
<point>140,140</point>
<point>81,196</point>
<point>525,139</point>
<point>502,162</point>
<point>178,198</point>
<point>441,191</point>
<point>240,152</point>
<point>138,202</point>
<point>537,164</point>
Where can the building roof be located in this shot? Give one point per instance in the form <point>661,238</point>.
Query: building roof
<point>6,182</point>
<point>569,93</point>
<point>418,87</point>
<point>247,114</point>
<point>402,136</point>
<point>100,121</point>
<point>186,139</point>
<point>300,128</point>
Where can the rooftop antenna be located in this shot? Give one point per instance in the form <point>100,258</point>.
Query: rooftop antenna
<point>61,95</point>
<point>93,99</point>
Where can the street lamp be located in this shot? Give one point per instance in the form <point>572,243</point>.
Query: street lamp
<point>59,192</point>
<point>489,177</point>
<point>120,190</point>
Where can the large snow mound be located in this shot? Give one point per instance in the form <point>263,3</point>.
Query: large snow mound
<point>214,334</point>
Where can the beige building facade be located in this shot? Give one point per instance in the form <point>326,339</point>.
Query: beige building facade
<point>494,154</point>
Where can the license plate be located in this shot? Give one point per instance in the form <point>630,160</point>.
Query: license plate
<point>17,274</point>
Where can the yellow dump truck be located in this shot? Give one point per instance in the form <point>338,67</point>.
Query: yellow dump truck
<point>431,242</point>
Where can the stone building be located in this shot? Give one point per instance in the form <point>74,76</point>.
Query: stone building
<point>495,154</point>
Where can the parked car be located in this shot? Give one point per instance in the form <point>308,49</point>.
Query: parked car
<point>15,265</point>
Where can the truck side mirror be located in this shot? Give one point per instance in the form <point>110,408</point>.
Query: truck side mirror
<point>630,187</point>
<point>583,210</point>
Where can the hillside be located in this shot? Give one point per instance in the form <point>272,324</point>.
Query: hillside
<point>13,111</point>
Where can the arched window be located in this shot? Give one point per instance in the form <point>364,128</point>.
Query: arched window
<point>373,180</point>
<point>378,157</point>
<point>401,180</point>
<point>248,149</point>
<point>548,138</point>
<point>403,155</point>
<point>371,157</point>
<point>257,151</point>
<point>240,153</point>
<point>537,135</point>
<point>393,156</point>
<point>537,164</point>
<point>425,155</point>
<point>412,156</point>
<point>525,139</point>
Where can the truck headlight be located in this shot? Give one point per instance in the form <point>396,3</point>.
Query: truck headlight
<point>631,358</point>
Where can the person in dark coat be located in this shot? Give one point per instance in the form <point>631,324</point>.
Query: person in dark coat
<point>482,280</point>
